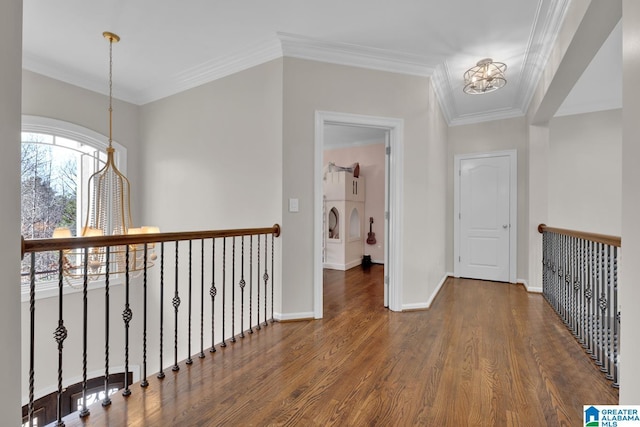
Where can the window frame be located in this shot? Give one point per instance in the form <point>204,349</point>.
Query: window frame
<point>63,129</point>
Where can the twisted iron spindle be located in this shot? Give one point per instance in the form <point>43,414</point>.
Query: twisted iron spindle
<point>60,335</point>
<point>144,382</point>
<point>616,320</point>
<point>85,283</point>
<point>250,284</point>
<point>201,355</point>
<point>161,373</point>
<point>596,302</point>
<point>127,315</point>
<point>609,342</point>
<point>32,335</point>
<point>258,287</point>
<point>580,296</point>
<point>189,360</point>
<point>176,305</point>
<point>589,294</point>
<point>572,287</point>
<point>213,292</point>
<point>106,401</point>
<point>233,290</point>
<point>266,280</point>
<point>242,285</point>
<point>224,286</point>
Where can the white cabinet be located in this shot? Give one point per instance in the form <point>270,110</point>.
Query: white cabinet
<point>344,229</point>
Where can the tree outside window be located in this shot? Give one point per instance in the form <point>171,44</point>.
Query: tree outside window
<point>54,172</point>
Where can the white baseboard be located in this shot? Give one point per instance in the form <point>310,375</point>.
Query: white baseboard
<point>415,306</point>
<point>342,267</point>
<point>528,288</point>
<point>293,316</point>
<point>435,293</point>
<point>427,304</point>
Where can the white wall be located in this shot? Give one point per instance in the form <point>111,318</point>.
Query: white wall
<point>10,87</point>
<point>585,172</point>
<point>629,265</point>
<point>310,86</point>
<point>213,160</point>
<point>509,134</point>
<point>217,150</point>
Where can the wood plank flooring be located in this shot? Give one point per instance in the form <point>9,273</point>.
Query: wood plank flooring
<point>485,354</point>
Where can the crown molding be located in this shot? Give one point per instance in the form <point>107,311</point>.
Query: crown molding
<point>213,69</point>
<point>486,116</point>
<point>441,82</point>
<point>543,34</point>
<point>356,56</point>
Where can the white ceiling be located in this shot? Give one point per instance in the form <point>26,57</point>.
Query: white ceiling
<point>169,46</point>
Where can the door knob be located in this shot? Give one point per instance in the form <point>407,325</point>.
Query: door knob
<point>505,226</point>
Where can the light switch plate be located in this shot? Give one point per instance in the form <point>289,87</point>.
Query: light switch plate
<point>293,205</point>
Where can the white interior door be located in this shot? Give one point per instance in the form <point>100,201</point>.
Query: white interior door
<point>485,190</point>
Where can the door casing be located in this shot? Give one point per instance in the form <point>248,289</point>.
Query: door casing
<point>393,240</point>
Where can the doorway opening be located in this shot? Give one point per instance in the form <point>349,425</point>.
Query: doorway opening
<point>332,130</point>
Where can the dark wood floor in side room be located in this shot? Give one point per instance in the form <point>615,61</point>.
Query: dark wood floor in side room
<point>485,354</point>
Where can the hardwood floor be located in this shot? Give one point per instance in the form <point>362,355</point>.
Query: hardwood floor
<point>485,354</point>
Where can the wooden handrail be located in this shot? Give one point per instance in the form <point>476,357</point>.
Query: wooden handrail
<point>594,237</point>
<point>45,245</point>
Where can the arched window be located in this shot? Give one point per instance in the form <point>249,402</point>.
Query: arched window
<point>57,159</point>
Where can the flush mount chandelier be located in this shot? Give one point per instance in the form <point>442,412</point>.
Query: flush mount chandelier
<point>485,77</point>
<point>108,214</point>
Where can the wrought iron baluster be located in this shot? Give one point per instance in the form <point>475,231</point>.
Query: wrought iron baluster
<point>616,320</point>
<point>250,284</point>
<point>212,292</point>
<point>242,285</point>
<point>32,335</point>
<point>161,373</point>
<point>176,305</point>
<point>258,287</point>
<point>224,283</point>
<point>574,285</point>
<point>107,400</point>
<point>556,270</point>
<point>597,306</point>
<point>127,315</point>
<point>545,244</point>
<point>201,355</point>
<point>580,292</point>
<point>60,335</point>
<point>609,341</point>
<point>144,382</point>
<point>189,299</point>
<point>589,295</point>
<point>265,277</point>
<point>233,290</point>
<point>85,283</point>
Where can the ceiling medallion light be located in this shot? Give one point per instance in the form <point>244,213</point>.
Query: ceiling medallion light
<point>108,214</point>
<point>485,77</point>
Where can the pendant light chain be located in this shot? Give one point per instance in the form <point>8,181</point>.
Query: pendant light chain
<point>110,89</point>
